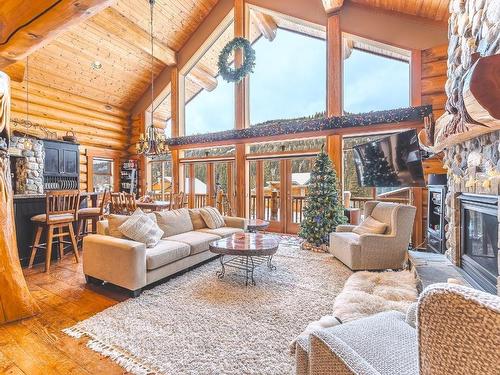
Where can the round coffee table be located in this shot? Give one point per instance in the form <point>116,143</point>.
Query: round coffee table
<point>249,250</point>
<point>255,225</point>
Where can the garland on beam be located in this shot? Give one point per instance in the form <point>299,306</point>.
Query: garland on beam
<point>309,124</point>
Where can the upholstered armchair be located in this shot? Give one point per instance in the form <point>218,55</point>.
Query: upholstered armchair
<point>453,330</point>
<point>376,251</point>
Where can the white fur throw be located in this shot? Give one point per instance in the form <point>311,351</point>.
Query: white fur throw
<point>367,293</point>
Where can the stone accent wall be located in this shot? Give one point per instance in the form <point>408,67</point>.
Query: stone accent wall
<point>29,168</point>
<point>473,167</point>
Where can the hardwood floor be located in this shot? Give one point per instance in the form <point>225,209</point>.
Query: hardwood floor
<point>37,345</point>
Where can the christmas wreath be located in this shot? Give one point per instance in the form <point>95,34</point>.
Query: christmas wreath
<point>236,75</point>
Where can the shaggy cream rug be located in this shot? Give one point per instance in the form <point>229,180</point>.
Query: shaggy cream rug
<point>367,293</point>
<point>198,324</point>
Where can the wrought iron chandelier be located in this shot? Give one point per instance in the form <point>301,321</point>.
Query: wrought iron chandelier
<point>153,142</point>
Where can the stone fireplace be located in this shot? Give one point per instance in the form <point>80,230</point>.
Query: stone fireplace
<point>28,165</point>
<point>472,207</point>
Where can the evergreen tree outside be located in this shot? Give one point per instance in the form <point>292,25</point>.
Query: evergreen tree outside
<point>377,171</point>
<point>323,211</point>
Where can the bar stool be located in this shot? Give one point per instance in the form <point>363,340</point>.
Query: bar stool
<point>60,213</point>
<point>94,214</point>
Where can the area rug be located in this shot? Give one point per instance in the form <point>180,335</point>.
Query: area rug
<point>198,324</point>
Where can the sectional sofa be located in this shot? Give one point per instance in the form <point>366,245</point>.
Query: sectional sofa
<point>109,257</point>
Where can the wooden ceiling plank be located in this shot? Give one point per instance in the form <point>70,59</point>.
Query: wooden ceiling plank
<point>266,24</point>
<point>117,24</point>
<point>46,27</point>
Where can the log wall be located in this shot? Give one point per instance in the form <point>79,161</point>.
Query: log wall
<point>434,78</point>
<point>96,125</point>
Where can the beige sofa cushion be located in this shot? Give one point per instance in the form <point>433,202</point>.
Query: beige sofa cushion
<point>174,222</point>
<point>198,241</point>
<point>114,222</point>
<point>212,217</point>
<point>222,232</point>
<point>165,252</point>
<point>139,227</point>
<point>370,226</point>
<point>197,219</point>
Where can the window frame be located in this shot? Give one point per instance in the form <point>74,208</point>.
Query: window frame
<point>112,155</point>
<point>195,58</point>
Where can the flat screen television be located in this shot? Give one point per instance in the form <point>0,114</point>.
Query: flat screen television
<point>393,161</point>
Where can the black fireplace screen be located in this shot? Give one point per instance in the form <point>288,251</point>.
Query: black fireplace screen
<point>481,239</point>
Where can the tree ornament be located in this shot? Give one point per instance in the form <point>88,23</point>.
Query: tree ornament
<point>236,75</point>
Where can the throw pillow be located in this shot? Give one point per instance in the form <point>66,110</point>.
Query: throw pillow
<point>174,222</point>
<point>114,222</point>
<point>139,227</point>
<point>370,226</point>
<point>197,219</point>
<point>212,217</point>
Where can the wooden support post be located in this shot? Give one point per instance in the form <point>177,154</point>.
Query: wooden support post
<point>416,78</point>
<point>334,65</point>
<point>241,180</point>
<point>334,143</point>
<point>176,175</point>
<point>192,187</point>
<point>335,150</point>
<point>174,101</point>
<point>241,88</point>
<point>175,121</point>
<point>210,185</point>
<point>16,301</point>
<point>259,190</point>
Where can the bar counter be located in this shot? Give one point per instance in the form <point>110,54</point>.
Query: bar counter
<point>25,207</point>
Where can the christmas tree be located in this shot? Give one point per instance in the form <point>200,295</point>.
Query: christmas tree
<point>377,171</point>
<point>323,210</point>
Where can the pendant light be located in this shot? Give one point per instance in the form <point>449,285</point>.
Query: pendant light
<point>153,143</point>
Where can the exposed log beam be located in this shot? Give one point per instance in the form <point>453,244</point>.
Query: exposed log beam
<point>332,5</point>
<point>266,24</point>
<point>28,32</point>
<point>117,24</point>
<point>16,71</point>
<point>202,78</point>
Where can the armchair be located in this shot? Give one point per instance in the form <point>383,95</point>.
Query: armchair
<point>457,333</point>
<point>376,251</point>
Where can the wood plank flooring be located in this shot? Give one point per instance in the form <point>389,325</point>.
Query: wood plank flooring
<point>37,345</point>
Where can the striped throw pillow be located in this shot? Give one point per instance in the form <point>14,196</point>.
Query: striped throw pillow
<point>139,227</point>
<point>212,217</point>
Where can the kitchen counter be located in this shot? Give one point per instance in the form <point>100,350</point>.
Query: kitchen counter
<point>25,207</point>
<point>84,194</point>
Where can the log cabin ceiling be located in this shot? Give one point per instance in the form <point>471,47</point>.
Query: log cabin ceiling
<point>118,38</point>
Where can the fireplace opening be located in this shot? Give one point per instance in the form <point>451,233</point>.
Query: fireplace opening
<point>479,239</point>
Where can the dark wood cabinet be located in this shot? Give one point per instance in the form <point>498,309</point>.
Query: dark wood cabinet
<point>61,158</point>
<point>61,166</point>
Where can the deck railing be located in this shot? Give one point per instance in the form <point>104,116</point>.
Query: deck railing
<point>272,207</point>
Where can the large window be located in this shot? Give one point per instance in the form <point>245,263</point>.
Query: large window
<point>209,100</point>
<point>102,174</point>
<point>376,76</point>
<point>289,79</point>
<point>160,179</point>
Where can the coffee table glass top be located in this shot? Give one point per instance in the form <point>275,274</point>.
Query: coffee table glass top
<point>254,225</point>
<point>249,244</point>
